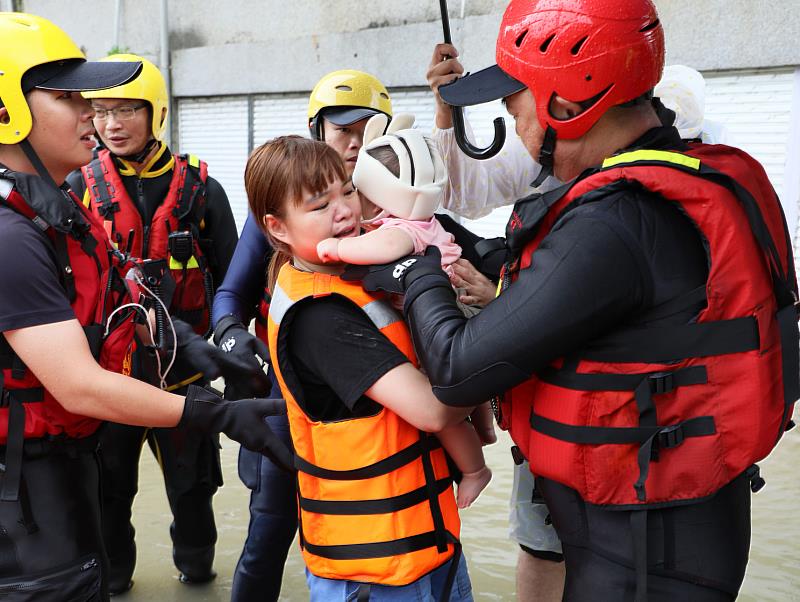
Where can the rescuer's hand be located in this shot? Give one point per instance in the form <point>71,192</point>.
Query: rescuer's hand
<point>398,276</point>
<point>241,420</point>
<point>195,352</point>
<point>234,340</point>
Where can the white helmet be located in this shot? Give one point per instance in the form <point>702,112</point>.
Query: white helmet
<point>683,90</point>
<point>416,193</point>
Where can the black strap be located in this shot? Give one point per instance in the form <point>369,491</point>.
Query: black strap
<point>9,492</point>
<point>439,528</point>
<point>452,571</point>
<point>103,191</point>
<point>666,436</point>
<point>486,246</point>
<point>385,466</point>
<point>381,506</point>
<point>790,359</point>
<point>657,382</point>
<point>363,593</point>
<point>666,344</point>
<point>364,551</point>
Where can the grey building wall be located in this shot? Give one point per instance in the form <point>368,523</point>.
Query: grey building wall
<point>245,46</point>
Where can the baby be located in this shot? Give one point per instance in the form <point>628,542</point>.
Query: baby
<point>400,176</point>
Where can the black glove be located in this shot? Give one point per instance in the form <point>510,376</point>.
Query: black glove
<point>408,276</point>
<point>242,421</point>
<point>199,355</point>
<point>235,341</point>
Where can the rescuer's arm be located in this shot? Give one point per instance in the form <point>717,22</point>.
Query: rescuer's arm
<point>245,280</point>
<point>58,354</point>
<point>220,228</point>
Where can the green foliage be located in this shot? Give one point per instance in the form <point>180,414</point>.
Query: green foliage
<point>119,50</point>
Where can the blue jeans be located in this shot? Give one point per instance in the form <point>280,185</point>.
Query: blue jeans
<point>273,522</point>
<point>425,589</point>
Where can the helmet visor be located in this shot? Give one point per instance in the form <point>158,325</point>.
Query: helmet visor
<point>347,115</point>
<point>479,87</point>
<point>77,75</point>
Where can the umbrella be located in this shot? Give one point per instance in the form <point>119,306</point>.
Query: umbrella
<point>460,130</point>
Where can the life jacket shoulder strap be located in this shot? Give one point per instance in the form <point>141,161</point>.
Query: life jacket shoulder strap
<point>190,207</point>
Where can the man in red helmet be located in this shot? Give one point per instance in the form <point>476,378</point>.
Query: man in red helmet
<point>645,341</point>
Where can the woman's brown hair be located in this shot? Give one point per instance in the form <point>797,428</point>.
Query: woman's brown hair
<point>278,172</point>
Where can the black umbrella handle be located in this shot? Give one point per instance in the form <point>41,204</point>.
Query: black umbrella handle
<point>459,129</point>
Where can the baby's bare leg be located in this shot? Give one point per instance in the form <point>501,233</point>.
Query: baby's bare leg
<point>483,421</point>
<point>464,446</point>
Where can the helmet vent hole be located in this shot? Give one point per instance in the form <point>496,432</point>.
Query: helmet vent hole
<point>578,45</point>
<point>344,88</point>
<point>650,26</point>
<point>520,38</point>
<point>384,95</point>
<point>588,78</point>
<point>546,44</point>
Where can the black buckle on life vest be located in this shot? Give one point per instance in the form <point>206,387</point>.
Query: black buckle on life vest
<point>661,382</point>
<point>756,480</point>
<point>670,436</point>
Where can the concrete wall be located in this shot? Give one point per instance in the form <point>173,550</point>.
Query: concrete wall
<point>245,46</point>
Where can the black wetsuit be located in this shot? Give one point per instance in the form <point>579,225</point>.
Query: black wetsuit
<point>189,460</point>
<point>603,264</point>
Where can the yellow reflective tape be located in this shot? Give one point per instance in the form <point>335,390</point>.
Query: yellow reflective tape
<point>499,288</point>
<point>194,161</point>
<point>86,198</point>
<point>653,155</point>
<point>174,264</point>
<point>185,382</point>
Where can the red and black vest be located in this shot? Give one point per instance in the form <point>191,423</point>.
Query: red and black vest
<point>659,416</point>
<point>89,269</point>
<point>172,234</point>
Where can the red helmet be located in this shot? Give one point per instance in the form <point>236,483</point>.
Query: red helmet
<point>599,53</point>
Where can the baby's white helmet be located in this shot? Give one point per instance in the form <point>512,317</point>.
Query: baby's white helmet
<point>416,193</point>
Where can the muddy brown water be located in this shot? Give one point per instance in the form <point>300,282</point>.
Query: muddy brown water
<point>773,573</point>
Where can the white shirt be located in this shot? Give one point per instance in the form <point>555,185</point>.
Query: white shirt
<point>476,187</point>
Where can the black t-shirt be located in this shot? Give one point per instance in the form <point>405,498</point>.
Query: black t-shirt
<point>337,353</point>
<point>31,293</point>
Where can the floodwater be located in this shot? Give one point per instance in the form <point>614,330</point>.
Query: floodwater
<point>773,573</point>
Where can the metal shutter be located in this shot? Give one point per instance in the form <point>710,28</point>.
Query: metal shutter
<point>278,116</point>
<point>216,130</point>
<point>756,107</point>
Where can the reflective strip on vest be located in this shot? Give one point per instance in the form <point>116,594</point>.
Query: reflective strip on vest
<point>380,313</point>
<point>174,264</point>
<point>653,155</point>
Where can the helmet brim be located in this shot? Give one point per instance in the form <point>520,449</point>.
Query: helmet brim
<point>80,76</point>
<point>347,115</point>
<point>482,86</point>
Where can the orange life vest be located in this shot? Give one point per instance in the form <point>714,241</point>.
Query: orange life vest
<point>375,494</point>
<point>89,268</point>
<point>648,416</point>
<point>172,234</point>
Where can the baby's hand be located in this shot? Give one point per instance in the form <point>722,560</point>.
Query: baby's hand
<point>328,250</point>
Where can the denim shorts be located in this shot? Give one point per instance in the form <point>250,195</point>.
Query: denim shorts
<point>425,589</point>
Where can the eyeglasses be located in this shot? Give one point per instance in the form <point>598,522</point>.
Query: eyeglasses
<point>120,113</point>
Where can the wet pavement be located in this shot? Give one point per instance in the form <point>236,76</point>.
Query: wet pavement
<point>773,573</point>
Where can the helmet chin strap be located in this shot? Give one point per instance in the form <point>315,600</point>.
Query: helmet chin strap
<point>34,159</point>
<point>142,154</point>
<point>546,153</point>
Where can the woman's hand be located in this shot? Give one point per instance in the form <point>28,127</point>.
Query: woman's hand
<point>443,69</point>
<point>328,250</point>
<point>479,290</point>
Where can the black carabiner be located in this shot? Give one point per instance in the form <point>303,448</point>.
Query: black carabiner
<point>459,128</point>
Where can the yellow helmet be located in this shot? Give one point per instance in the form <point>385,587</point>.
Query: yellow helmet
<point>35,53</point>
<point>356,95</point>
<point>149,85</point>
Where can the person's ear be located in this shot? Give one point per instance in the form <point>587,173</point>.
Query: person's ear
<point>276,228</point>
<point>563,109</point>
<point>5,119</point>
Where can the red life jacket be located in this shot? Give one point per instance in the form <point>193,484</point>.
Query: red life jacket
<point>89,269</point>
<point>173,233</point>
<point>663,416</point>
